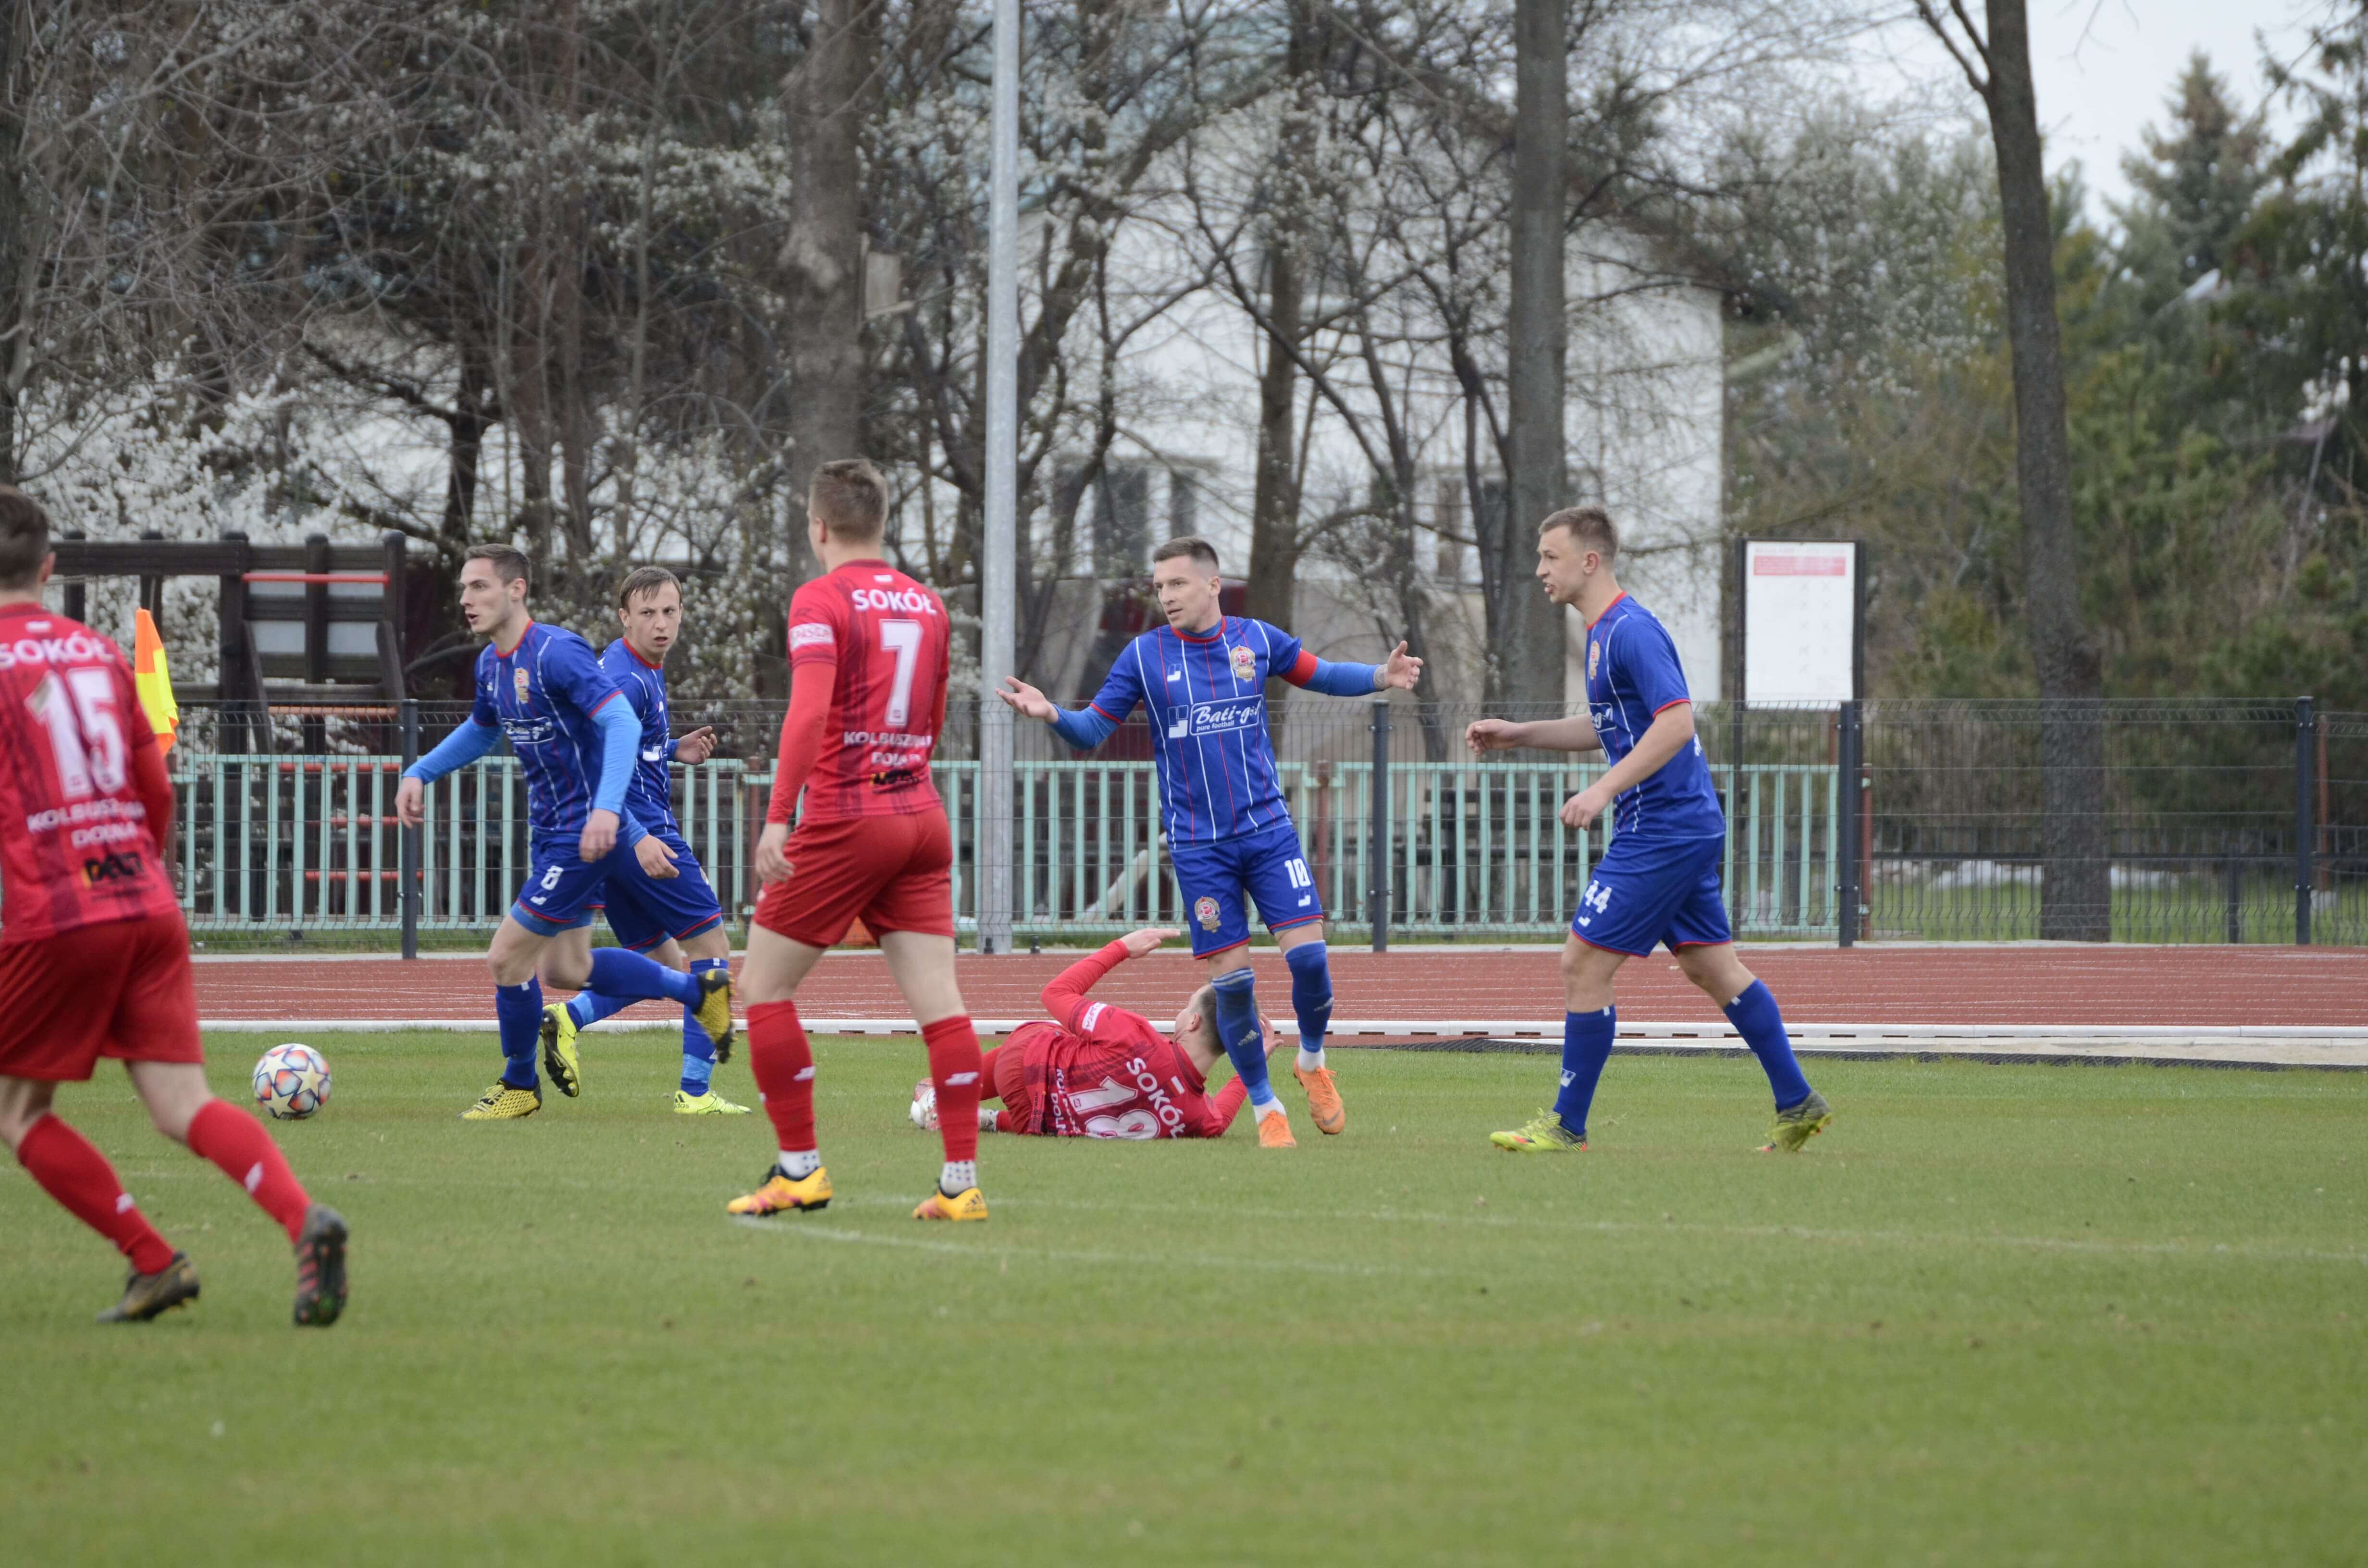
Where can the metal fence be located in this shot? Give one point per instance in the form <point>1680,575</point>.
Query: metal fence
<point>2222,821</point>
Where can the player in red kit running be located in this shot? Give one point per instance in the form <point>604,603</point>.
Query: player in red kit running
<point>93,957</point>
<point>1102,1072</point>
<point>869,651</point>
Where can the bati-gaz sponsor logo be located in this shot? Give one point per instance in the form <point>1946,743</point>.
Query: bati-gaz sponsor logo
<point>1222,718</point>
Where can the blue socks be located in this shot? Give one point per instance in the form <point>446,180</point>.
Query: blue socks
<point>698,1051</point>
<point>1586,1047</point>
<point>588,1007</point>
<point>518,1009</point>
<point>1237,1030</point>
<point>1756,1019</point>
<point>1311,999</point>
<point>617,973</point>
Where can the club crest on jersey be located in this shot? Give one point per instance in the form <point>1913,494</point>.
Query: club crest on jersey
<point>1594,657</point>
<point>1244,664</point>
<point>519,681</point>
<point>1205,911</point>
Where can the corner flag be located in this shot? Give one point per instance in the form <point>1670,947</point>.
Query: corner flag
<point>152,680</point>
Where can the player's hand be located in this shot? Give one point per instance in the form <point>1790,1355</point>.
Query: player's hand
<point>1400,670</point>
<point>1146,941</point>
<point>772,865</point>
<point>1581,810</point>
<point>599,836</point>
<point>695,747</point>
<point>411,802</point>
<point>657,858</point>
<point>1019,695</point>
<point>1485,735</point>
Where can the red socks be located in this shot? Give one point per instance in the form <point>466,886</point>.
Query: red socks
<point>955,1065</point>
<point>237,1143</point>
<point>782,1065</point>
<point>79,1177</point>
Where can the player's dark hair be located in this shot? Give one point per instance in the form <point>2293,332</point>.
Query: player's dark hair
<point>644,580</point>
<point>1591,527</point>
<point>507,561</point>
<point>1204,1002</point>
<point>1202,552</point>
<point>851,499</point>
<point>23,538</point>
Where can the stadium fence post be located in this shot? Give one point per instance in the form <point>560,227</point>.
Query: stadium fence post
<point>408,855</point>
<point>2305,812</point>
<point>1847,871</point>
<point>1377,820</point>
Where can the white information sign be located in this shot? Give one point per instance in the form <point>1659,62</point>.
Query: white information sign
<point>1800,621</point>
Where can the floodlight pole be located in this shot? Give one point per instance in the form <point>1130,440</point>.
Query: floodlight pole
<point>995,580</point>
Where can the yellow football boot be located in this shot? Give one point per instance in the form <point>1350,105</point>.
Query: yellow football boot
<point>559,1058</point>
<point>709,1103</point>
<point>966,1205</point>
<point>780,1194</point>
<point>504,1103</point>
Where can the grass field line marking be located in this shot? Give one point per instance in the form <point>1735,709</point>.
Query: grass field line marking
<point>823,1230</point>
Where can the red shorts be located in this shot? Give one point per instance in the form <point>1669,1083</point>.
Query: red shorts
<point>1007,1076</point>
<point>123,989</point>
<point>895,873</point>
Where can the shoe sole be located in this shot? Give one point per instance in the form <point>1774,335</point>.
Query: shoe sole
<point>785,1209</point>
<point>1512,1144</point>
<point>472,1116</point>
<point>564,1077</point>
<point>326,1246</point>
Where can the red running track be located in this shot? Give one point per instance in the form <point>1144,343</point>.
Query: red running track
<point>2133,986</point>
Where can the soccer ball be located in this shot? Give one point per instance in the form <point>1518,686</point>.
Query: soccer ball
<point>924,1106</point>
<point>291,1082</point>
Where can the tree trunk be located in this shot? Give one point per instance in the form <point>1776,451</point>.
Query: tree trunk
<point>2076,901</point>
<point>1274,503</point>
<point>15,358</point>
<point>826,97</point>
<point>1525,652</point>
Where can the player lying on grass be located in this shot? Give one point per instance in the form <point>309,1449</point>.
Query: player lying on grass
<point>540,688</point>
<point>1201,680</point>
<point>1659,880</point>
<point>1101,1071</point>
<point>94,955</point>
<point>869,660</point>
<point>674,918</point>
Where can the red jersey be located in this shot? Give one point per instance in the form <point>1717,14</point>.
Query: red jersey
<point>887,637</point>
<point>83,796</point>
<point>1103,1071</point>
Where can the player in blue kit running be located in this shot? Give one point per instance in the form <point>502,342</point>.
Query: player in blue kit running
<point>1659,880</point>
<point>541,689</point>
<point>1201,680</point>
<point>672,915</point>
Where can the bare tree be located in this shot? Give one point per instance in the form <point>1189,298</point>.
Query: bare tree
<point>2076,901</point>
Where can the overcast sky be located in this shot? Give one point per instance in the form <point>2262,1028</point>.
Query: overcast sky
<point>2103,68</point>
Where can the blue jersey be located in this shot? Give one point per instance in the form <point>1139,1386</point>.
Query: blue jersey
<point>1205,695</point>
<point>650,795</point>
<point>541,695</point>
<point>1632,675</point>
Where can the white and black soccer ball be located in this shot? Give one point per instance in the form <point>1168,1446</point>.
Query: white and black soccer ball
<point>291,1082</point>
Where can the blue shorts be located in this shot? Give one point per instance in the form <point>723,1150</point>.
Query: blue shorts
<point>1649,892</point>
<point>643,911</point>
<point>560,886</point>
<point>1267,866</point>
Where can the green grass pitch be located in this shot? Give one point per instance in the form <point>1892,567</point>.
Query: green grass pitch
<point>1998,1314</point>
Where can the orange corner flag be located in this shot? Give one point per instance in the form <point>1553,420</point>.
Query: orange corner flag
<point>152,680</point>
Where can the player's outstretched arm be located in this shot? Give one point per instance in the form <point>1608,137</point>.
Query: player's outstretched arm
<point>1084,728</point>
<point>1064,997</point>
<point>469,741</point>
<point>1575,733</point>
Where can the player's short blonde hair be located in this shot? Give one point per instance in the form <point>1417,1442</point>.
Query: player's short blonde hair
<point>23,538</point>
<point>850,498</point>
<point>1591,528</point>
